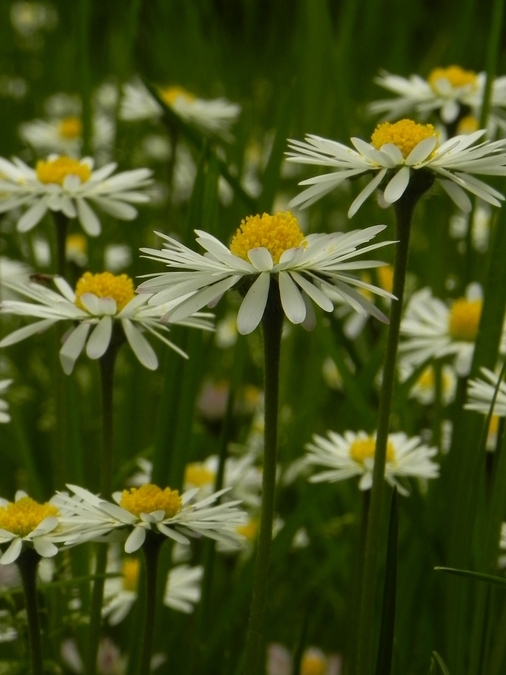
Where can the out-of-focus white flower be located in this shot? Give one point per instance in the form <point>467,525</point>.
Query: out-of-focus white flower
<point>4,406</point>
<point>14,271</point>
<point>30,17</point>
<point>424,389</point>
<point>314,661</point>
<point>480,232</point>
<point>117,257</point>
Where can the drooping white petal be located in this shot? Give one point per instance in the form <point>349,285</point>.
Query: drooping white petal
<point>253,306</point>
<point>368,190</point>
<point>396,187</point>
<point>44,547</point>
<point>12,553</point>
<point>88,218</point>
<point>26,331</point>
<point>73,346</point>
<point>135,540</point>
<point>140,346</point>
<point>291,299</point>
<point>99,338</point>
<point>456,194</point>
<point>33,216</point>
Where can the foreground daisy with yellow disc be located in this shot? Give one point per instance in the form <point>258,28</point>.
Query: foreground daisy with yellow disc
<point>100,305</point>
<point>352,454</point>
<point>63,184</point>
<point>395,155</point>
<point>266,249</point>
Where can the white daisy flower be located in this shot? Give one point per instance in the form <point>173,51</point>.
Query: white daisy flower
<point>214,116</point>
<point>481,394</point>
<point>424,389</point>
<point>61,183</point>
<point>266,249</point>
<point>26,523</point>
<point>12,270</point>
<point>353,455</point>
<point>101,303</point>
<point>4,406</point>
<point>148,507</point>
<point>445,91</point>
<point>431,329</point>
<point>182,590</point>
<point>396,154</point>
<point>64,135</point>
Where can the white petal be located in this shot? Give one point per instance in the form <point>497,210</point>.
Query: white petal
<point>449,112</point>
<point>421,151</point>
<point>44,547</point>
<point>135,539</point>
<point>73,346</point>
<point>88,218</point>
<point>140,346</point>
<point>261,259</point>
<point>291,299</point>
<point>457,194</point>
<point>33,216</point>
<point>26,331</point>
<point>314,292</point>
<point>100,338</point>
<point>369,189</point>
<point>12,553</point>
<point>396,187</point>
<point>253,306</point>
<point>90,303</point>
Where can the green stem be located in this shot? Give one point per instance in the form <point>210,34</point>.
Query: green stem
<point>27,565</point>
<point>61,223</point>
<point>366,635</point>
<point>493,47</point>
<point>151,550</point>
<point>272,325</point>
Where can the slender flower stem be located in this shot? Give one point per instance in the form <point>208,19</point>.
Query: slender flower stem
<point>366,636</point>
<point>61,223</point>
<point>27,565</point>
<point>151,550</point>
<point>272,324</point>
<point>107,363</point>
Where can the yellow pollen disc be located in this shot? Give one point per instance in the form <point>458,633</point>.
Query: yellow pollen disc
<point>56,170</point>
<point>386,277</point>
<point>106,285</point>
<point>23,516</point>
<point>468,125</point>
<point>364,448</point>
<point>464,319</point>
<point>76,243</point>
<point>249,530</point>
<point>171,94</point>
<point>198,474</point>
<point>405,134</point>
<point>276,233</point>
<point>426,379</point>
<point>70,127</point>
<point>312,664</point>
<point>149,498</point>
<point>456,76</point>
<point>130,571</point>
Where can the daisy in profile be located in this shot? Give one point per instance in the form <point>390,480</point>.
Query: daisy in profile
<point>266,250</point>
<point>446,91</point>
<point>214,116</point>
<point>24,523</point>
<point>99,307</point>
<point>424,389</point>
<point>72,187</point>
<point>432,329</point>
<point>4,406</point>
<point>150,508</point>
<point>353,455</point>
<point>483,391</point>
<point>396,154</point>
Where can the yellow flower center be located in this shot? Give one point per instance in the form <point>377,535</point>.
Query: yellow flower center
<point>313,664</point>
<point>456,76</point>
<point>76,243</point>
<point>149,498</point>
<point>70,128</point>
<point>56,170</point>
<point>23,516</point>
<point>364,448</point>
<point>426,379</point>
<point>249,530</point>
<point>276,233</point>
<point>405,134</point>
<point>198,474</point>
<point>464,319</point>
<point>106,285</point>
<point>130,571</point>
<point>171,94</point>
<point>467,125</point>
<point>386,277</point>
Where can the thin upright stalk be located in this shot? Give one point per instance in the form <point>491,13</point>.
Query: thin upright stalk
<point>27,565</point>
<point>366,635</point>
<point>151,551</point>
<point>107,363</point>
<point>61,223</point>
<point>272,325</point>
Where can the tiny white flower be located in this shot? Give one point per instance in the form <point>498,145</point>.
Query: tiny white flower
<point>66,185</point>
<point>99,303</point>
<point>481,393</point>
<point>265,250</point>
<point>352,454</point>
<point>4,406</point>
<point>397,154</point>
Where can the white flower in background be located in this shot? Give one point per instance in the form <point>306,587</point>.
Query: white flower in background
<point>13,87</point>
<point>182,590</point>
<point>13,271</point>
<point>266,249</point>
<point>61,183</point>
<point>214,116</point>
<point>480,233</point>
<point>110,660</point>
<point>424,389</point>
<point>445,91</point>
<point>353,455</point>
<point>149,507</point>
<point>25,523</point>
<point>313,662</point>
<point>432,329</point>
<point>100,305</point>
<point>396,153</point>
<point>481,393</point>
<point>28,18</point>
<point>117,257</point>
<point>4,406</point>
